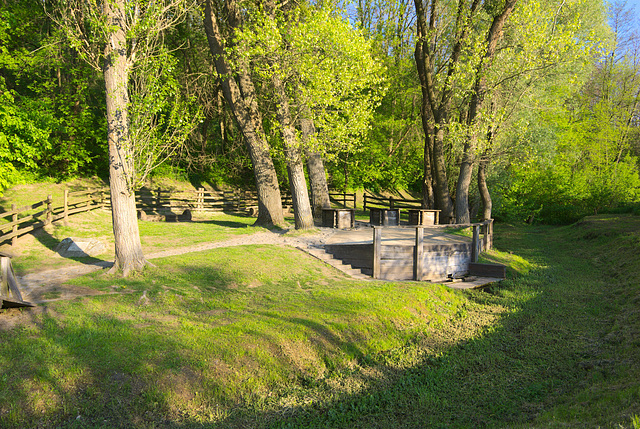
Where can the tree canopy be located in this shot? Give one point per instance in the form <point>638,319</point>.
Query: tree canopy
<point>535,100</point>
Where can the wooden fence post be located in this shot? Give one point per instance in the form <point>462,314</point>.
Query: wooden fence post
<point>391,203</point>
<point>490,233</point>
<point>200,199</point>
<point>475,243</point>
<point>65,209</point>
<point>485,236</point>
<point>49,214</point>
<point>4,276</point>
<point>364,201</point>
<point>377,247</point>
<point>418,254</point>
<point>14,218</point>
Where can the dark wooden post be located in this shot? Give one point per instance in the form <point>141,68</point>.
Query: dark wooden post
<point>377,247</point>
<point>14,218</point>
<point>158,200</point>
<point>49,214</point>
<point>485,236</point>
<point>391,203</point>
<point>490,234</point>
<point>475,244</point>
<point>418,254</point>
<point>65,208</point>
<point>364,201</point>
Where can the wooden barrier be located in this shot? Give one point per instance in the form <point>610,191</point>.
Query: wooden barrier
<point>10,295</point>
<point>343,199</point>
<point>420,261</point>
<point>391,203</point>
<point>23,220</point>
<point>199,200</point>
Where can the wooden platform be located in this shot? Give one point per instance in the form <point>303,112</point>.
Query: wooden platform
<point>442,255</point>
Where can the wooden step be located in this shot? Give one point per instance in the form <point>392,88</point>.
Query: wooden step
<point>328,259</point>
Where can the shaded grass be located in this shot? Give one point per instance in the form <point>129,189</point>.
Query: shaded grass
<point>264,336</point>
<point>221,332</point>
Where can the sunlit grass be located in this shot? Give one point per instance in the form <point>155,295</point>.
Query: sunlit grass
<point>267,336</point>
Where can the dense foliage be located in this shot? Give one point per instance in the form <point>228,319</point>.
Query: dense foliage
<point>558,125</point>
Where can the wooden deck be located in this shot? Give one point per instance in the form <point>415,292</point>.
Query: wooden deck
<point>392,253</point>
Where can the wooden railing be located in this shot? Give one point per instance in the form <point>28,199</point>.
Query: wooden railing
<point>201,200</point>
<point>391,203</point>
<point>343,198</point>
<point>22,220</point>
<point>478,245</point>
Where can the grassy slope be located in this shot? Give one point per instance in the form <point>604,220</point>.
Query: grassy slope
<point>36,252</point>
<point>262,336</point>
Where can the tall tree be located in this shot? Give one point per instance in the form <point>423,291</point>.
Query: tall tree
<point>319,71</point>
<point>476,61</point>
<point>240,93</point>
<point>114,36</point>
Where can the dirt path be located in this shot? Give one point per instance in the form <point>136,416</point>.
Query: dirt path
<point>47,286</point>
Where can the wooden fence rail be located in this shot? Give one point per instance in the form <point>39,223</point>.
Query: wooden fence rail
<point>392,203</point>
<point>200,200</point>
<point>411,259</point>
<point>343,198</point>
<point>23,220</point>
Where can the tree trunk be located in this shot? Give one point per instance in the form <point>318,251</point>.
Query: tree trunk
<point>428,195</point>
<point>295,167</point>
<point>441,188</point>
<point>434,114</point>
<point>485,196</point>
<point>128,249</point>
<point>242,100</point>
<point>475,104</point>
<point>315,167</point>
<point>462,187</point>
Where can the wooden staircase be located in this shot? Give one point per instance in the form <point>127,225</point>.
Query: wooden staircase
<point>352,270</point>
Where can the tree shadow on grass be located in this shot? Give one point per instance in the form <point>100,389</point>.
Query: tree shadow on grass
<point>50,242</point>
<point>530,355</point>
<point>533,357</point>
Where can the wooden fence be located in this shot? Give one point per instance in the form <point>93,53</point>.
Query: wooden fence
<point>419,262</point>
<point>22,220</point>
<point>201,200</point>
<point>391,203</point>
<point>343,199</point>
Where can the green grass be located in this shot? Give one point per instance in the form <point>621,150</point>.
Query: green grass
<point>36,252</point>
<point>266,336</point>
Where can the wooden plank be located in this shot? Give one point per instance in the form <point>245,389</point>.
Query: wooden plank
<point>4,276</point>
<point>22,231</point>
<point>395,272</point>
<point>377,238</point>
<point>13,283</point>
<point>396,252</point>
<point>488,270</point>
<point>418,258</point>
<point>83,209</point>
<point>457,247</point>
<point>344,250</point>
<point>23,209</point>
